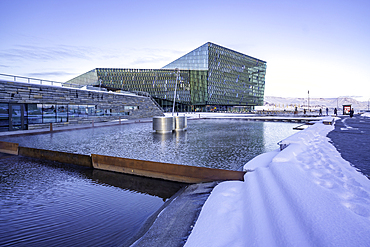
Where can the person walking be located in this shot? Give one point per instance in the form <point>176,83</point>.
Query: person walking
<point>351,112</point>
<point>327,111</point>
<point>320,112</point>
<point>335,111</point>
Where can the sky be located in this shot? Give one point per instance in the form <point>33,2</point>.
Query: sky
<point>316,46</point>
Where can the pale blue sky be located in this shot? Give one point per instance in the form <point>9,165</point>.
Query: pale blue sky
<point>321,46</point>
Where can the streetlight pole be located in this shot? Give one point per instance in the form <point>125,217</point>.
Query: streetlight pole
<point>337,103</point>
<point>174,94</point>
<point>308,100</point>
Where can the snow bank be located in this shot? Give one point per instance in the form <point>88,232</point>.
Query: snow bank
<point>304,195</point>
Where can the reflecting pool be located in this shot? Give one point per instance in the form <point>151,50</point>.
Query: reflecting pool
<point>45,203</point>
<point>224,143</point>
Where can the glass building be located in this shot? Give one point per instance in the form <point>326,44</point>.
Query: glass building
<point>210,78</point>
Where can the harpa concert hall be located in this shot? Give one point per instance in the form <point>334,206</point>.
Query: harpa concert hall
<point>209,78</point>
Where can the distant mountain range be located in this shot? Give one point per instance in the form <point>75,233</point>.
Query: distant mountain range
<point>289,104</point>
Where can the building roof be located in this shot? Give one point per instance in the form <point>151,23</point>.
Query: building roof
<point>198,59</point>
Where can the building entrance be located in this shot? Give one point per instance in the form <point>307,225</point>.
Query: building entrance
<point>17,117</point>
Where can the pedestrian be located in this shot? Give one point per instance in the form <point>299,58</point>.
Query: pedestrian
<point>327,111</point>
<point>320,112</point>
<point>335,111</point>
<point>351,112</point>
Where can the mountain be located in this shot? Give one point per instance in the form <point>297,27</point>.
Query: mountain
<point>289,104</point>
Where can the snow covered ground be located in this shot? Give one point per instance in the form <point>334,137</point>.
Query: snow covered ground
<point>304,195</point>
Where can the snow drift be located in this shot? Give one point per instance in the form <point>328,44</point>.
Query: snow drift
<point>304,195</point>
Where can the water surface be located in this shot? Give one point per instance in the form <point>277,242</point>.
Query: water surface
<point>45,203</point>
<point>224,143</point>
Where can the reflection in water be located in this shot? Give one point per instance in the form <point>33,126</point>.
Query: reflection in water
<point>45,203</point>
<point>150,186</point>
<point>162,138</point>
<point>181,137</point>
<point>224,143</point>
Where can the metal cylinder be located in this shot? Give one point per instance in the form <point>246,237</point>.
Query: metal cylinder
<point>163,124</point>
<point>181,123</point>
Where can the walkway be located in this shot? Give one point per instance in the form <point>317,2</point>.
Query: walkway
<point>351,137</point>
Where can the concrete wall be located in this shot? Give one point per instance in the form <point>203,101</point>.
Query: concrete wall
<point>17,92</point>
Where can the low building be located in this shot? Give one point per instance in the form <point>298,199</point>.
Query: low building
<point>30,106</point>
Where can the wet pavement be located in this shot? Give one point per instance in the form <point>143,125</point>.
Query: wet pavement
<point>351,137</point>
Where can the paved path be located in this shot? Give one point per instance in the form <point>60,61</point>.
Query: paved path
<point>351,137</point>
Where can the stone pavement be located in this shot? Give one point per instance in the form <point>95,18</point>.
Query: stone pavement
<point>351,137</point>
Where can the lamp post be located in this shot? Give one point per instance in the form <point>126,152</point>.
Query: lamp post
<point>174,94</point>
<point>308,100</point>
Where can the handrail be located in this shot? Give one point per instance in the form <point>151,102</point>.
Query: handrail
<point>40,81</point>
<point>146,94</point>
<point>65,84</point>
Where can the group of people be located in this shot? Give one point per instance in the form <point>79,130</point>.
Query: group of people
<point>351,112</point>
<point>327,111</point>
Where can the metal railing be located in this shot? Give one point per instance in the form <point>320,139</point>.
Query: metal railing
<point>146,94</point>
<point>31,80</point>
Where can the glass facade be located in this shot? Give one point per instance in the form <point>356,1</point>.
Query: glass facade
<point>210,75</point>
<point>158,83</point>
<point>194,60</point>
<point>18,116</point>
<point>233,79</point>
<point>89,78</point>
<point>4,117</point>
